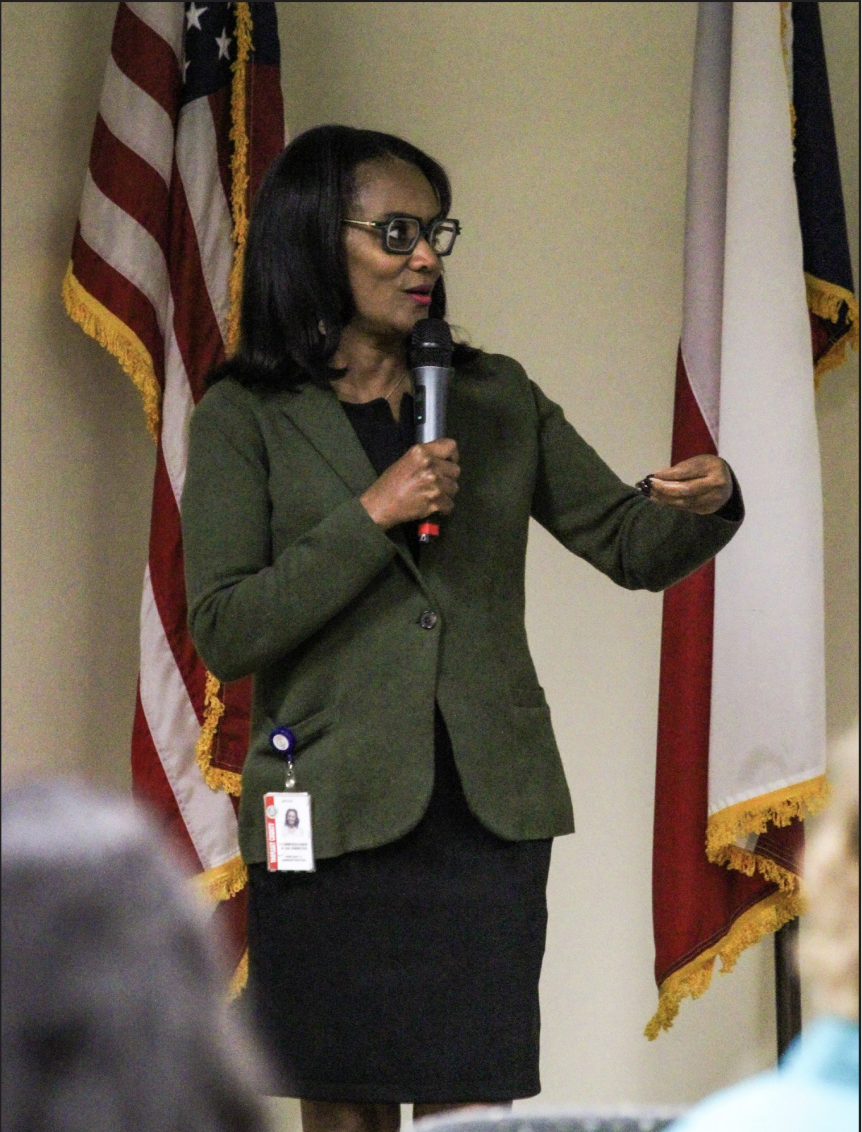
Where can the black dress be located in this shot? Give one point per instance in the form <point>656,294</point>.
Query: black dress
<point>408,972</point>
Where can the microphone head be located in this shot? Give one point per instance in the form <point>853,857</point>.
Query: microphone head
<point>431,343</point>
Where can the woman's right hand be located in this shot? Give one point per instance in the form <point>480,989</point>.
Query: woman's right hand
<point>422,482</point>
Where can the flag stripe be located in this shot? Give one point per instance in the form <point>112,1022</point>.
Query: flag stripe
<point>135,23</point>
<point>131,183</point>
<point>123,298</point>
<point>166,558</point>
<point>138,121</point>
<point>768,703</point>
<point>176,411</point>
<point>127,246</point>
<point>264,121</point>
<point>174,727</point>
<point>198,335</point>
<point>150,785</point>
<point>197,160</point>
<point>219,103</point>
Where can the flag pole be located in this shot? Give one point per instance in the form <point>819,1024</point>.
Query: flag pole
<point>788,990</point>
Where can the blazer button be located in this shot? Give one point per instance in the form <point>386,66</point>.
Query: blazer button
<point>428,619</point>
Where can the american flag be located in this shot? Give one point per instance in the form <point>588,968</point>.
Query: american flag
<point>190,116</point>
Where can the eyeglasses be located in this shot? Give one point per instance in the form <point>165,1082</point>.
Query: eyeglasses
<point>401,234</point>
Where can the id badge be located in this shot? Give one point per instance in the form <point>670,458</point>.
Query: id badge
<point>289,845</point>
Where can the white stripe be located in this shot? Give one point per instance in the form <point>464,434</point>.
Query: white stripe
<point>177,406</point>
<point>127,246</point>
<point>208,814</point>
<point>137,120</point>
<point>705,209</point>
<point>197,160</point>
<point>166,20</point>
<point>768,691</point>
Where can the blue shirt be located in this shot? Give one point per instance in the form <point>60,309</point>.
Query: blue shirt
<point>814,1089</point>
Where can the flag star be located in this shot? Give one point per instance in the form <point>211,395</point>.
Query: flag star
<point>223,42</point>
<point>185,68</point>
<point>193,15</point>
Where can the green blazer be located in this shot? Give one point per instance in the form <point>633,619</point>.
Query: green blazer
<point>350,642</point>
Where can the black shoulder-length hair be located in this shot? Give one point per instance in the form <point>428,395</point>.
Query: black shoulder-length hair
<point>295,277</point>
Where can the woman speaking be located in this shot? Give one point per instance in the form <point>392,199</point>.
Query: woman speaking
<point>405,967</point>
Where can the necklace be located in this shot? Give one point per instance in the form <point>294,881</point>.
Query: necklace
<point>395,386</point>
<point>386,396</point>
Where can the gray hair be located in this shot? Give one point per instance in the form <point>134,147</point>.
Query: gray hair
<point>114,1001</point>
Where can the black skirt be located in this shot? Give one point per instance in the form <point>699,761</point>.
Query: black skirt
<point>407,973</point>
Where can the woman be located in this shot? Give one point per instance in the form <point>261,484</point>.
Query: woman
<point>406,968</point>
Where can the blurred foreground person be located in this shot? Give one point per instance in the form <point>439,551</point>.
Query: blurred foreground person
<point>114,1016</point>
<point>816,1086</point>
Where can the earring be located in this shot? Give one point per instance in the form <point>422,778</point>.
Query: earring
<point>321,326</point>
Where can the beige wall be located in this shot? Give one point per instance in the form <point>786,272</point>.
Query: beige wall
<point>564,129</point>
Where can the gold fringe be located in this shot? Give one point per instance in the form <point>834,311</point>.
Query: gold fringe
<point>214,777</point>
<point>734,857</point>
<point>825,300</point>
<point>779,807</point>
<point>724,829</point>
<point>118,339</point>
<point>238,169</point>
<point>691,981</point>
<point>240,977</point>
<point>222,882</point>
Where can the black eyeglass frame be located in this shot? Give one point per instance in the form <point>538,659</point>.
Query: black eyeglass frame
<point>426,230</point>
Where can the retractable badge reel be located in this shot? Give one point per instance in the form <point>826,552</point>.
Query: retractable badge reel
<point>289,845</point>
<point>284,741</point>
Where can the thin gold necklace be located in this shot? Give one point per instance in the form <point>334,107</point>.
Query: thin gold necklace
<point>384,396</point>
<point>395,386</point>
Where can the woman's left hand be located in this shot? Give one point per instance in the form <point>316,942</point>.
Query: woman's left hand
<point>702,484</point>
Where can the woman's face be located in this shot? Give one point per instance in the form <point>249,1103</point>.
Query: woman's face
<point>391,292</point>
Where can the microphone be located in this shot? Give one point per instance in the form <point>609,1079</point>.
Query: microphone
<point>430,362</point>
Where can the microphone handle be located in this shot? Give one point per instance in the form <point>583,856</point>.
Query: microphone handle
<point>430,385</point>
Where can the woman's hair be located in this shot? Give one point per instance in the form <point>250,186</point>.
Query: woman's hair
<point>114,1003</point>
<point>829,941</point>
<point>295,276</point>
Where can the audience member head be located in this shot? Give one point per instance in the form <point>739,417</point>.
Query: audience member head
<point>114,1005</point>
<point>829,947</point>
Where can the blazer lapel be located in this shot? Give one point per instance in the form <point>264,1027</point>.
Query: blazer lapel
<point>318,415</point>
<point>320,418</point>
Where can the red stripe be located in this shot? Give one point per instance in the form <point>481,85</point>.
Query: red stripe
<point>691,437</point>
<point>122,299</point>
<point>130,182</point>
<point>265,121</point>
<point>167,574</point>
<point>219,103</point>
<point>694,902</point>
<point>150,786</point>
<point>143,56</point>
<point>195,325</point>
